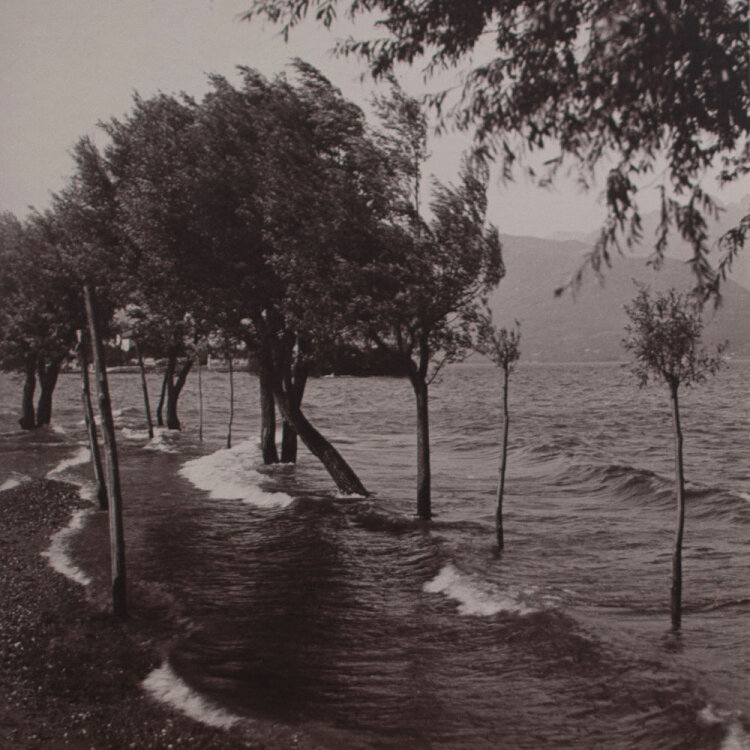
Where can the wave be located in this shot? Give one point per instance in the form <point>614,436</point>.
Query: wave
<point>58,552</point>
<point>476,597</point>
<point>14,480</point>
<point>165,686</point>
<point>82,456</point>
<point>231,474</point>
<point>736,737</point>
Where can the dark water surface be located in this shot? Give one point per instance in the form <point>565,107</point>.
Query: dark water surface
<point>366,628</point>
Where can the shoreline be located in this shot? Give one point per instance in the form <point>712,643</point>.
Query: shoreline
<point>72,673</point>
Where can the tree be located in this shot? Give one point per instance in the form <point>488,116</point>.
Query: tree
<point>502,347</point>
<point>624,83</point>
<point>150,162</point>
<point>663,336</point>
<point>417,297</point>
<point>41,307</point>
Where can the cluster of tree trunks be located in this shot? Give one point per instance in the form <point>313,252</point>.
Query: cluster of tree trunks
<point>45,372</point>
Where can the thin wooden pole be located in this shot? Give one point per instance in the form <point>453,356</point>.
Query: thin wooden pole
<point>88,418</point>
<point>116,536</point>
<point>144,388</point>
<point>231,402</point>
<point>503,464</point>
<point>200,400</point>
<point>676,590</point>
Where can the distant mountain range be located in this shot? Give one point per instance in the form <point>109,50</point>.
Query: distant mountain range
<point>729,217</point>
<point>589,326</point>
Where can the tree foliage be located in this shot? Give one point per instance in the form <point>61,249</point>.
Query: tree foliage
<point>663,336</point>
<point>501,345</point>
<point>620,84</point>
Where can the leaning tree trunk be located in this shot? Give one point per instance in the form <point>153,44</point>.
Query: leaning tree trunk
<point>267,417</point>
<point>89,421</point>
<point>342,474</point>
<point>503,463</point>
<point>28,414</point>
<point>144,388</point>
<point>47,381</point>
<point>116,535</point>
<point>174,388</point>
<point>676,592</point>
<point>424,492</point>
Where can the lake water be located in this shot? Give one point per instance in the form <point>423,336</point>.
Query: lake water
<point>364,627</point>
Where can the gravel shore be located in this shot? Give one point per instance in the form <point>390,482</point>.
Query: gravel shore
<point>71,673</point>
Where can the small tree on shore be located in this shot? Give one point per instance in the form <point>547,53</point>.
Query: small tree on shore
<point>663,336</point>
<point>502,347</point>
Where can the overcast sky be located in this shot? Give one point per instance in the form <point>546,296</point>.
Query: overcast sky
<point>68,63</point>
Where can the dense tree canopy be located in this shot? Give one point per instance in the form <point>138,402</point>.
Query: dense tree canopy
<point>618,85</point>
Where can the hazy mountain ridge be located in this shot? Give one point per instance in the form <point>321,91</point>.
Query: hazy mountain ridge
<point>589,326</point>
<point>729,217</point>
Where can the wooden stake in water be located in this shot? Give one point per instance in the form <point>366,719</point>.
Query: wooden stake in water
<point>231,403</point>
<point>88,418</point>
<point>200,400</point>
<point>144,388</point>
<point>116,536</point>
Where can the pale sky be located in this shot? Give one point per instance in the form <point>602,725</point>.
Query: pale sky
<point>68,63</point>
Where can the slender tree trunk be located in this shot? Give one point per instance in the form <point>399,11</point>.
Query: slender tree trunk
<point>289,442</point>
<point>503,464</point>
<point>267,417</point>
<point>90,422</point>
<point>231,403</point>
<point>28,414</point>
<point>144,388</point>
<point>163,395</point>
<point>116,535</point>
<point>424,480</point>
<point>200,400</point>
<point>47,381</point>
<point>676,592</point>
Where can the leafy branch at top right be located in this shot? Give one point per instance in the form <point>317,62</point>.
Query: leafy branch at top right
<point>654,91</point>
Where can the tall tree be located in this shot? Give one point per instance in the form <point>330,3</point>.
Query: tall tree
<point>416,298</point>
<point>150,162</point>
<point>502,346</point>
<point>663,336</point>
<point>625,83</point>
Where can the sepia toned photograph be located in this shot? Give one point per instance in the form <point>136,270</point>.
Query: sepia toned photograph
<point>374,375</point>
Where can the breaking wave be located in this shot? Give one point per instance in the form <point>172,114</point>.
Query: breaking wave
<point>231,474</point>
<point>58,552</point>
<point>165,686</point>
<point>476,597</point>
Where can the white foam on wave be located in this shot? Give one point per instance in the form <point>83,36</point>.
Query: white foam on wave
<point>163,441</point>
<point>736,737</point>
<point>80,457</point>
<point>14,480</point>
<point>476,597</point>
<point>165,686</point>
<point>131,434</point>
<point>745,496</point>
<point>231,474</point>
<point>58,552</point>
